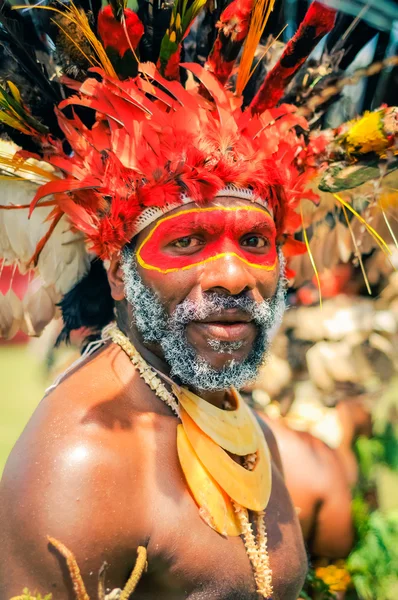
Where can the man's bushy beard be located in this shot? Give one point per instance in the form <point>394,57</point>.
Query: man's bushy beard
<point>169,331</point>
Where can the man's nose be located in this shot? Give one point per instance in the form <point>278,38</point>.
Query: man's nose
<point>228,274</point>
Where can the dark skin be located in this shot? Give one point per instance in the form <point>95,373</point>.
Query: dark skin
<point>319,488</point>
<point>97,468</point>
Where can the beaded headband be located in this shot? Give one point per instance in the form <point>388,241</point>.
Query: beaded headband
<point>152,213</point>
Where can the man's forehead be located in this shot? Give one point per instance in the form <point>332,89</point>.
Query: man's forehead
<point>218,210</point>
<point>226,203</point>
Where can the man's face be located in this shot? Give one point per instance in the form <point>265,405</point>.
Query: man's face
<point>203,287</point>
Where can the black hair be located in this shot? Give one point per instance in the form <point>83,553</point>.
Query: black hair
<point>88,304</point>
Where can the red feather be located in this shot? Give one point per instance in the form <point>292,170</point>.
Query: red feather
<point>318,21</point>
<point>233,27</point>
<point>112,32</point>
<point>61,186</point>
<point>152,143</point>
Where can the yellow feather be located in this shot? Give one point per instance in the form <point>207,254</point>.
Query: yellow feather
<point>12,122</point>
<point>311,257</point>
<point>78,17</point>
<point>14,92</point>
<point>259,17</point>
<point>378,239</point>
<point>26,169</point>
<point>357,251</point>
<point>389,227</point>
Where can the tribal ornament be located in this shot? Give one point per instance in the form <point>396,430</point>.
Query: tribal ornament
<point>110,131</point>
<point>217,225</point>
<point>223,489</point>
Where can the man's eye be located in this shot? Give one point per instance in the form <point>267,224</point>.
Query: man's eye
<point>254,241</point>
<point>187,242</point>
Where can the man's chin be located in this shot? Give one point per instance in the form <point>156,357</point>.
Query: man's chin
<point>218,351</point>
<point>210,369</point>
<point>219,359</point>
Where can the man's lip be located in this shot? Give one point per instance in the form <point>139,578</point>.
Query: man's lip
<point>225,331</point>
<point>228,316</point>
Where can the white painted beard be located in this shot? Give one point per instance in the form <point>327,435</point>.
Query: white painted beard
<point>169,331</point>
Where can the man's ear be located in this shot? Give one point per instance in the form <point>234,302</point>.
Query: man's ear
<point>115,278</point>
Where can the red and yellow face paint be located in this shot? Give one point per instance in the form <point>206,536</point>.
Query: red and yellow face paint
<point>193,237</point>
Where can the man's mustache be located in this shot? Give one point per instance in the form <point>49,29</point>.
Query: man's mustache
<point>212,304</point>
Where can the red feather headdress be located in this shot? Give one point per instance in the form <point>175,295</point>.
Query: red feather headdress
<point>117,141</point>
<point>153,148</point>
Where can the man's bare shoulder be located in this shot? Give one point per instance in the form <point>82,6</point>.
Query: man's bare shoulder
<point>77,473</point>
<point>96,405</point>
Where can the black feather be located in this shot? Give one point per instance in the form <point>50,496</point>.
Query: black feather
<point>13,41</point>
<point>19,47</point>
<point>155,17</point>
<point>88,304</point>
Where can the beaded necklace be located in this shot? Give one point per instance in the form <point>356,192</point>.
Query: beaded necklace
<point>256,545</point>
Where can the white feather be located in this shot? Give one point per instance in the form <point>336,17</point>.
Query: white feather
<point>39,310</point>
<point>6,252</point>
<point>19,233</point>
<point>6,316</point>
<point>11,314</point>
<point>62,262</point>
<point>9,149</point>
<point>64,259</point>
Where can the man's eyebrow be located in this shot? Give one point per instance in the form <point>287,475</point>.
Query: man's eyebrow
<point>206,226</point>
<point>184,228</point>
<point>191,227</point>
<point>266,224</point>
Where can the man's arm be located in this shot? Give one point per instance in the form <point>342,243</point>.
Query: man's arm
<point>71,484</point>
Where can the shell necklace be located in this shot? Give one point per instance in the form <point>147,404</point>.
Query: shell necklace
<point>223,489</point>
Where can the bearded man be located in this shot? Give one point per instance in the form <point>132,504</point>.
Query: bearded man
<point>190,199</point>
<point>197,294</point>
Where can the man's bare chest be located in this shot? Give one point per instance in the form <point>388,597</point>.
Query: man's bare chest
<point>189,560</point>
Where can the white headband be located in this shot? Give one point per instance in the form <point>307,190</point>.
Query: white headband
<point>150,214</point>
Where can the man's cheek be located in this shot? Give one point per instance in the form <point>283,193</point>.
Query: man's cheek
<point>170,288</point>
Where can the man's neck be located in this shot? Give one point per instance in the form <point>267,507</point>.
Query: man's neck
<point>151,355</point>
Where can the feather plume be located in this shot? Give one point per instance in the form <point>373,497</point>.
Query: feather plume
<point>63,258</point>
<point>72,259</point>
<point>14,114</point>
<point>18,234</point>
<point>11,314</point>
<point>38,310</point>
<point>232,30</point>
<point>12,40</point>
<point>259,18</point>
<point>318,21</point>
<point>121,30</point>
<point>74,51</point>
<point>77,18</point>
<point>182,17</point>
